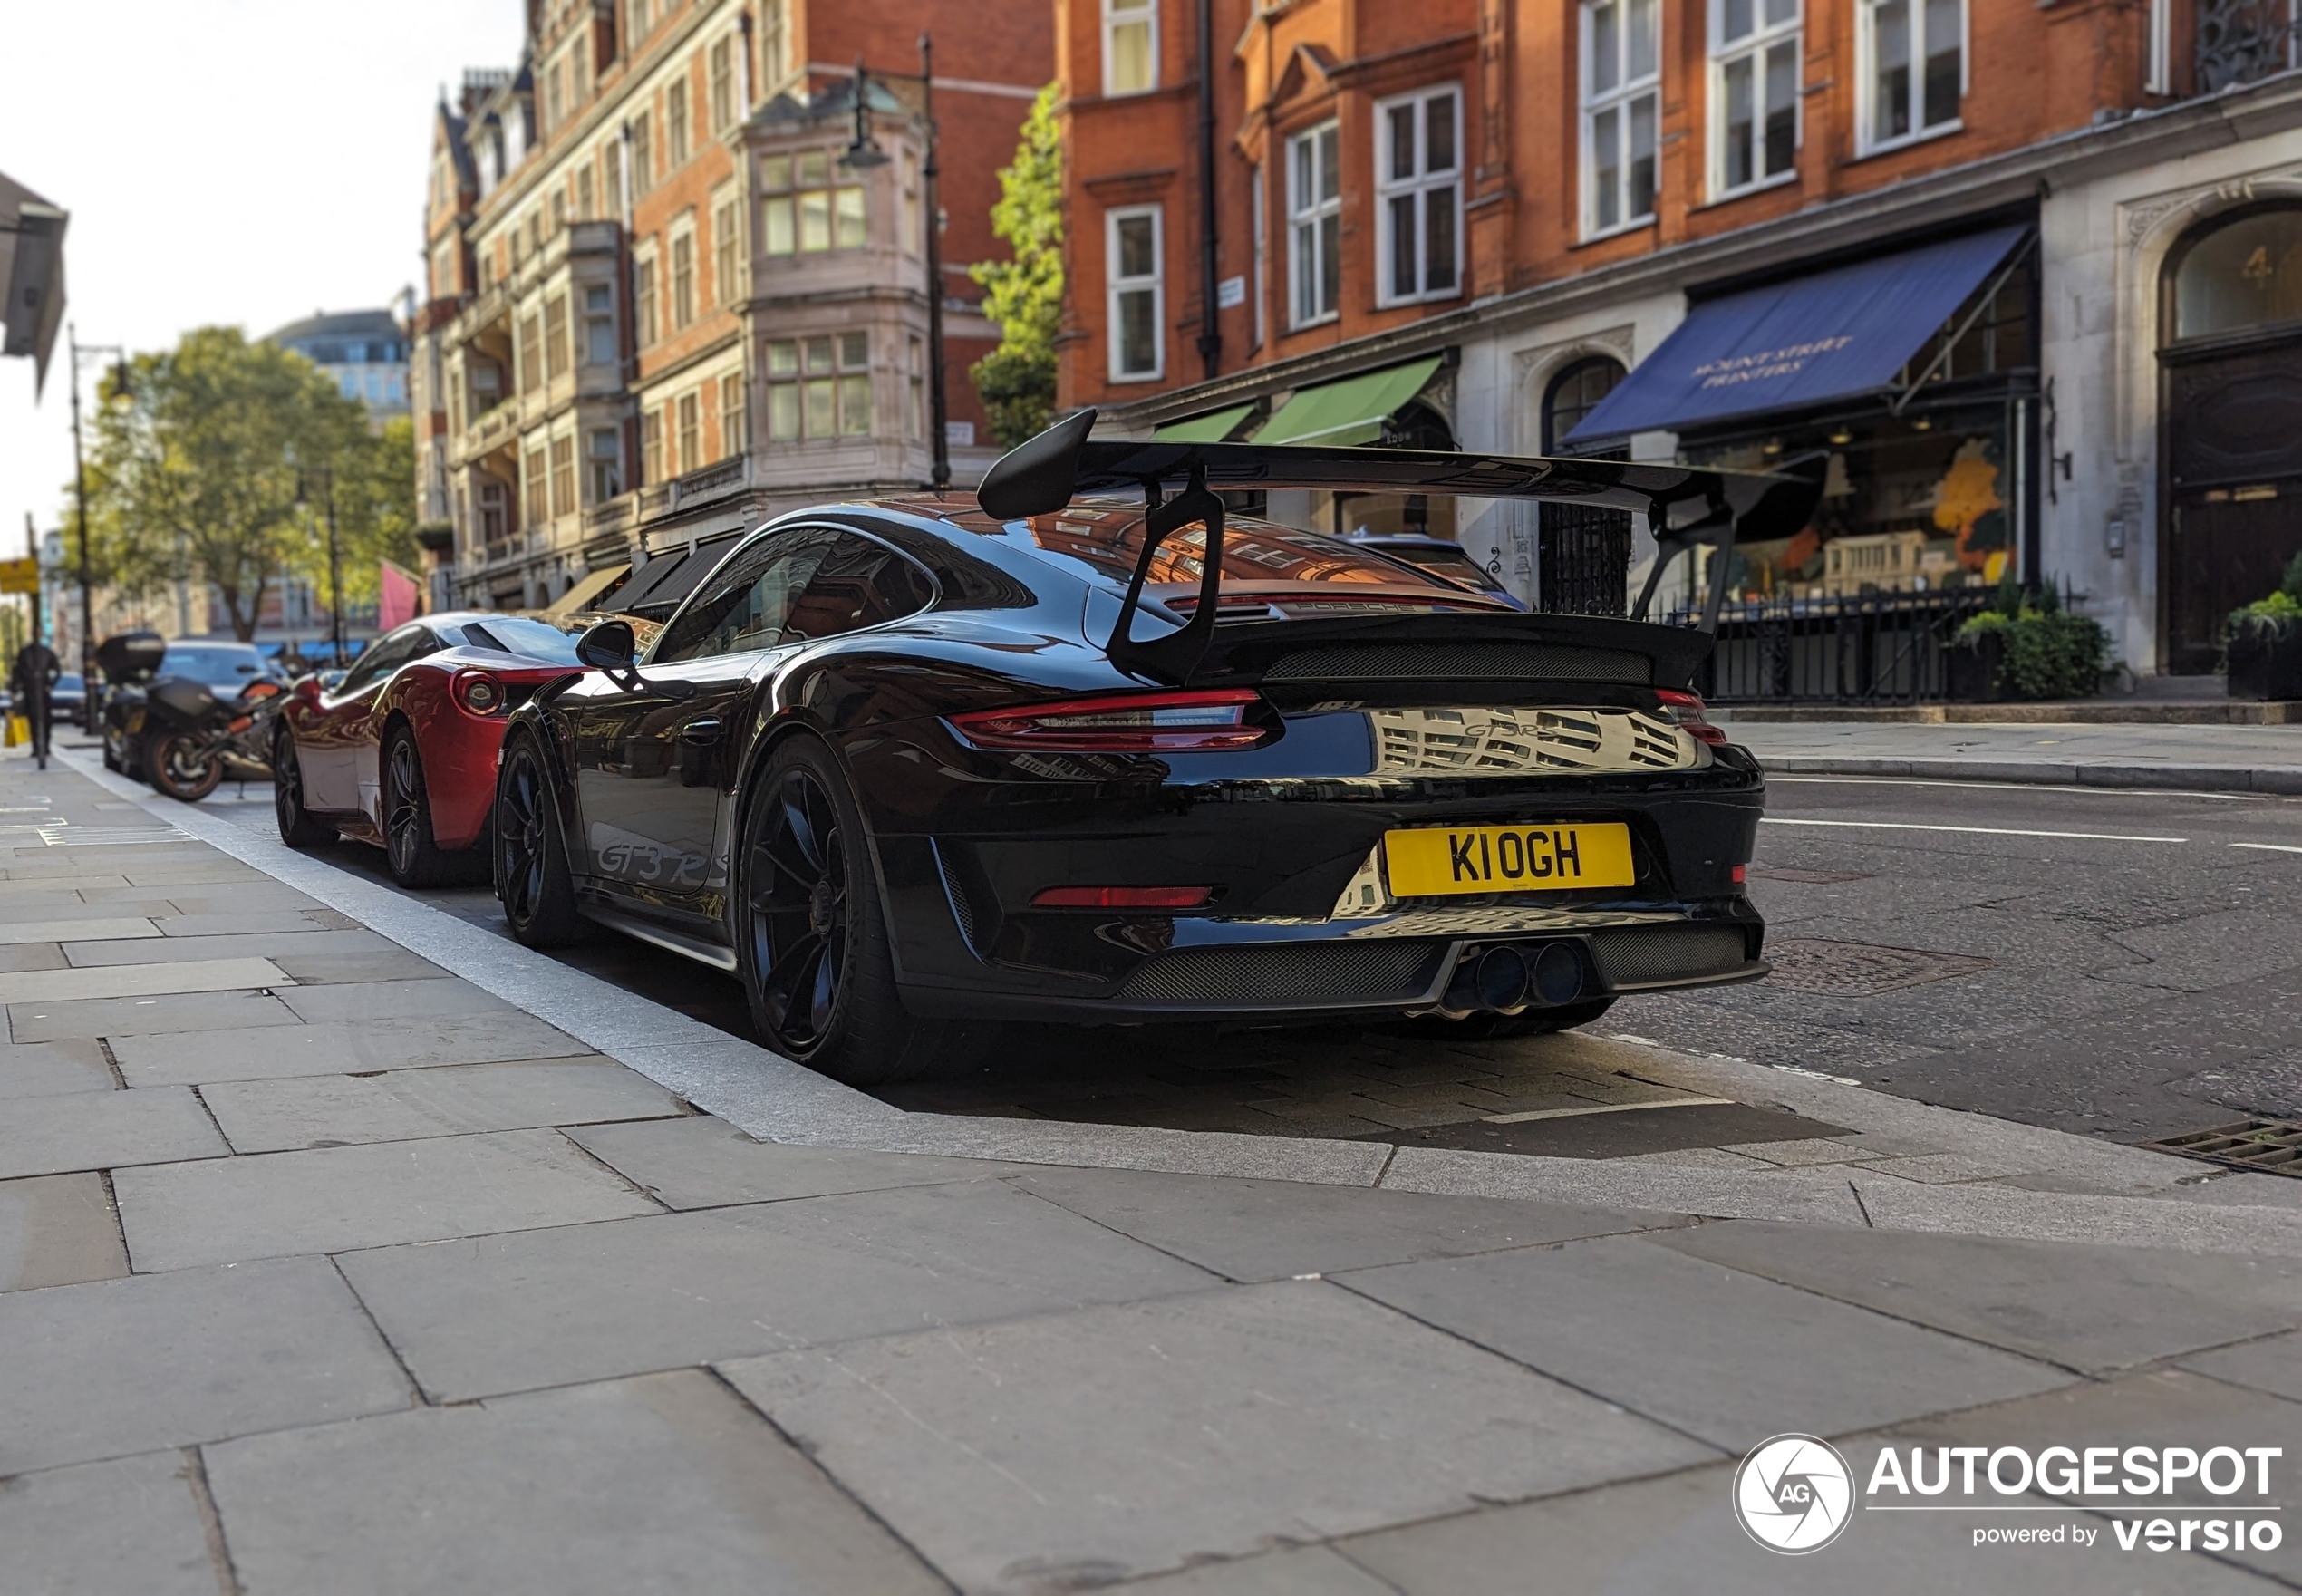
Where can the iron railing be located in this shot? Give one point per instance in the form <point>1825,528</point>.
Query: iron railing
<point>1872,648</point>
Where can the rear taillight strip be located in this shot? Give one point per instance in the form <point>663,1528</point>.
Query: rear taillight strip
<point>1685,711</point>
<point>1206,720</point>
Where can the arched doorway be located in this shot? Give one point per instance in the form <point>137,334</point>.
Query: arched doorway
<point>2230,430</point>
<point>1584,551</point>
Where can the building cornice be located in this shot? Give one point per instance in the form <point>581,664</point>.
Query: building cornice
<point>1997,182</point>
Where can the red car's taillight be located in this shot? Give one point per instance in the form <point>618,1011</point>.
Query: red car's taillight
<point>1686,712</point>
<point>479,692</point>
<point>1204,720</point>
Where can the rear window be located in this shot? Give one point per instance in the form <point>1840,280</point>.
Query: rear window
<point>1110,539</point>
<point>1448,561</point>
<point>216,667</point>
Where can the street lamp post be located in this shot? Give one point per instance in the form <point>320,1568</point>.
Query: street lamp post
<point>88,706</point>
<point>862,154</point>
<point>336,552</point>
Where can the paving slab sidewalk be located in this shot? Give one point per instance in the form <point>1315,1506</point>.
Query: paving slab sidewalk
<point>441,1283</point>
<point>2206,758</point>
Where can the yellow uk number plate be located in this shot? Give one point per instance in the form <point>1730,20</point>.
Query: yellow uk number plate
<point>1435,861</point>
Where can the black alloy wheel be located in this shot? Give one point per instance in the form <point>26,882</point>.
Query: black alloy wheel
<point>531,853</point>
<point>799,909</point>
<point>811,944</point>
<point>299,827</point>
<point>408,846</point>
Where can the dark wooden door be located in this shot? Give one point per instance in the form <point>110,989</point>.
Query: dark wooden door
<point>2233,458</point>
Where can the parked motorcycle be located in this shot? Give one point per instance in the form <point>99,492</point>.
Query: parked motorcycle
<point>192,739</point>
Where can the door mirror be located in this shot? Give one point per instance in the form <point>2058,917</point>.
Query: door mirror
<point>330,680</point>
<point>609,646</point>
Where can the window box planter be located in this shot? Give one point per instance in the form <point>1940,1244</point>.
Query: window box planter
<point>1974,671</point>
<point>2266,660</point>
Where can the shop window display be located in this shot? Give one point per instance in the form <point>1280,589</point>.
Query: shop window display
<point>1920,501</point>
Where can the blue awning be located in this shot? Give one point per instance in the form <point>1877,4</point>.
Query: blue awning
<point>1799,343</point>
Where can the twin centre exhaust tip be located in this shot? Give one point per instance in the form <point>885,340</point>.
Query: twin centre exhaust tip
<point>1510,977</point>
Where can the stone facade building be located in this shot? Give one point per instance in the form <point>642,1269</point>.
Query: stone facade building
<point>664,299</point>
<point>2023,281</point>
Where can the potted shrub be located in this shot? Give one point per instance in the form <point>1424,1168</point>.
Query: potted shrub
<point>2027,646</point>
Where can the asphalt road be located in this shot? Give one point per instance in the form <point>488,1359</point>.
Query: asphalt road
<point>2116,964</point>
<point>2122,964</point>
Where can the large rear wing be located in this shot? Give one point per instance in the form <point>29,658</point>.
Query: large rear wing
<point>1685,506</point>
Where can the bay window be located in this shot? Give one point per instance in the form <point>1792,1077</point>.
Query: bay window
<point>818,387</point>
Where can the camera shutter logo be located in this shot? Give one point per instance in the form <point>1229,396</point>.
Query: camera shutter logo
<point>1793,1493</point>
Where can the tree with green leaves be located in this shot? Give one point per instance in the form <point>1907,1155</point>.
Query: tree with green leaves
<point>1024,295</point>
<point>215,464</point>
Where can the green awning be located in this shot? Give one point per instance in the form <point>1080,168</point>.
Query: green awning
<point>1351,411</point>
<point>1213,426</point>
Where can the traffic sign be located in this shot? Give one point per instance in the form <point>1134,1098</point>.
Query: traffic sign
<point>20,576</point>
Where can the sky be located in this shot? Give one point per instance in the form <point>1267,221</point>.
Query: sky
<point>236,162</point>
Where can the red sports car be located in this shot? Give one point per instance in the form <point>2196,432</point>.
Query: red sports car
<point>401,750</point>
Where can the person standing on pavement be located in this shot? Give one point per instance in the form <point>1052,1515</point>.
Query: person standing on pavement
<point>37,672</point>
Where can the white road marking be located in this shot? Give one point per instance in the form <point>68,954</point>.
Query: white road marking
<point>2267,847</point>
<point>2227,797</point>
<point>1976,830</point>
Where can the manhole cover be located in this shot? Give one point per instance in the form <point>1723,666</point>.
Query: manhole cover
<point>1861,970</point>
<point>2272,1147</point>
<point>1809,878</point>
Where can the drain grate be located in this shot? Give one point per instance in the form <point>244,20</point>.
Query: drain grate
<point>1805,877</point>
<point>2269,1146</point>
<point>1861,970</point>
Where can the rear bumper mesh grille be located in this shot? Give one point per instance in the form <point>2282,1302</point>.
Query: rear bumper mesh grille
<point>1645,955</point>
<point>1289,974</point>
<point>1461,661</point>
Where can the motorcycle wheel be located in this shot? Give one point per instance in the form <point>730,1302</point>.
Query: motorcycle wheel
<point>174,764</point>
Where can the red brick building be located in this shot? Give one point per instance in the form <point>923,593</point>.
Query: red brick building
<point>662,302</point>
<point>1463,223</point>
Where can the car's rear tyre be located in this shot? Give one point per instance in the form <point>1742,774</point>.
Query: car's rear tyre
<point>299,827</point>
<point>811,942</point>
<point>408,851</point>
<point>531,853</point>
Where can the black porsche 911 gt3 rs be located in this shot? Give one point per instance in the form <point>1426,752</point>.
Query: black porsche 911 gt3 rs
<point>1094,748</point>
